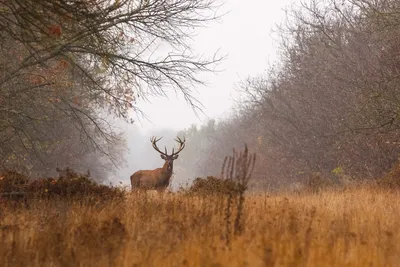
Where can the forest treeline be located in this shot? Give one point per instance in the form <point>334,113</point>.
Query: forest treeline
<point>68,69</point>
<point>331,106</point>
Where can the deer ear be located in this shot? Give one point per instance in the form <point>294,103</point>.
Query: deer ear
<point>176,156</point>
<point>162,156</point>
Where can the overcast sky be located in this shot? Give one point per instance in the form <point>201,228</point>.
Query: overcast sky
<point>244,34</point>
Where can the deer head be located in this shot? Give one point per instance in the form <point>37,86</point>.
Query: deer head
<point>169,159</point>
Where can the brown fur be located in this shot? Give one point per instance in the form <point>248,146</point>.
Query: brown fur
<point>152,179</point>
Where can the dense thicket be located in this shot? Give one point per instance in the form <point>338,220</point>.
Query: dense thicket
<point>332,104</point>
<point>65,66</point>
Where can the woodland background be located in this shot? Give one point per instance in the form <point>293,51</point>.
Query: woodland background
<point>329,107</point>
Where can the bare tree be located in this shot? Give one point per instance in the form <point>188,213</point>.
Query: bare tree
<point>332,103</point>
<point>74,61</point>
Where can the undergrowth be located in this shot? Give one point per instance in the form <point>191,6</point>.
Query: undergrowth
<point>68,185</point>
<point>352,228</point>
<point>214,223</point>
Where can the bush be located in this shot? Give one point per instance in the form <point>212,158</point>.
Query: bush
<point>68,185</point>
<point>213,186</point>
<point>390,180</point>
<point>12,181</point>
<point>316,182</point>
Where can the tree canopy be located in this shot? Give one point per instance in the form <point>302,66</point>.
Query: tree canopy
<point>66,65</point>
<point>332,102</point>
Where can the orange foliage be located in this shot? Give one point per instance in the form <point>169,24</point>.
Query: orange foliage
<point>62,64</point>
<point>55,30</point>
<point>36,80</point>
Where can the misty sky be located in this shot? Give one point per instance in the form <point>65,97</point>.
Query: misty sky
<point>245,36</point>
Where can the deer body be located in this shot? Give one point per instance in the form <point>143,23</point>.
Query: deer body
<point>152,179</point>
<point>159,178</point>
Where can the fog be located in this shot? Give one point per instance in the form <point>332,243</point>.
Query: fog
<point>141,154</point>
<point>249,52</point>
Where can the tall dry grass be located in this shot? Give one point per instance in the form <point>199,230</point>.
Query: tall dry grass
<point>357,227</point>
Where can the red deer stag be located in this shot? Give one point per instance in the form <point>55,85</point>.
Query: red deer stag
<point>159,178</point>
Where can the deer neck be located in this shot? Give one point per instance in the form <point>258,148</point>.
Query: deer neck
<point>165,168</point>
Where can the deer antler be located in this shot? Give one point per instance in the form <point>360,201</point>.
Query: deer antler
<point>154,141</point>
<point>181,145</point>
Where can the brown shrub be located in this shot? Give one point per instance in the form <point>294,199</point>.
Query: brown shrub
<point>212,185</point>
<point>390,180</point>
<point>70,184</point>
<point>12,181</point>
<point>317,182</point>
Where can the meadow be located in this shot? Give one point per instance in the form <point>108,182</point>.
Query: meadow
<point>356,226</point>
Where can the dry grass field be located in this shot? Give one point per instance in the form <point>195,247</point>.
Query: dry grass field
<point>355,227</point>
